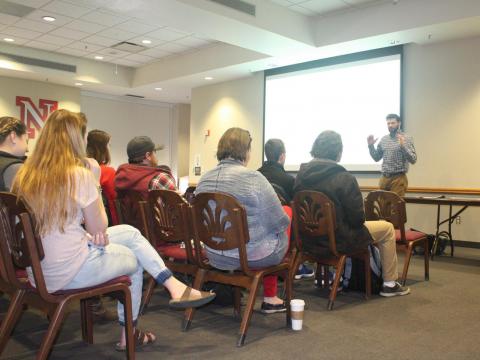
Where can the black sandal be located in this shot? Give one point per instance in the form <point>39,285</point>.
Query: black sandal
<point>140,338</point>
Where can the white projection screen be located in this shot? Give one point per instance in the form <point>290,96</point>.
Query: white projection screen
<point>351,98</point>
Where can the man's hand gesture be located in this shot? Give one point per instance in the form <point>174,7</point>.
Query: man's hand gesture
<point>371,140</point>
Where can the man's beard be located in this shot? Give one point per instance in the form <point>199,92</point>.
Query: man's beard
<point>393,132</point>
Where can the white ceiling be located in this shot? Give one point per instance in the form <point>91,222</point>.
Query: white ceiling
<point>195,39</point>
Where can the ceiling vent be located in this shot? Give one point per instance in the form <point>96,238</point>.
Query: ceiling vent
<point>238,5</point>
<point>135,96</point>
<point>41,63</point>
<point>128,46</point>
<point>10,8</point>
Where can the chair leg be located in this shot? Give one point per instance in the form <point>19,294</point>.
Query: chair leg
<point>127,306</point>
<point>148,294</point>
<point>408,255</point>
<point>289,294</point>
<point>87,320</point>
<point>197,284</point>
<point>368,276</point>
<point>15,309</point>
<point>427,260</point>
<point>237,302</point>
<point>247,313</point>
<point>326,276</point>
<point>52,331</point>
<point>338,274</point>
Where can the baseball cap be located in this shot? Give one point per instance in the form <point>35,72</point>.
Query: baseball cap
<point>139,145</point>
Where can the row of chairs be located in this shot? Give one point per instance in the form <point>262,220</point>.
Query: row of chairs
<point>166,219</point>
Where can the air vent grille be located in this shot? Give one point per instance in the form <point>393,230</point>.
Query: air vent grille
<point>41,63</point>
<point>128,46</point>
<point>238,5</point>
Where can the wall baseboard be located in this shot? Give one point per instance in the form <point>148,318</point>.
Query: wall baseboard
<point>466,244</point>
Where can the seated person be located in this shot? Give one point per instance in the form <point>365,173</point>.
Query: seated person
<point>13,146</point>
<point>76,257</point>
<point>282,183</point>
<point>267,221</point>
<point>353,232</point>
<point>142,172</point>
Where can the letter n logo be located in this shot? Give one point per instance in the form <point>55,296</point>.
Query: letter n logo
<point>34,117</point>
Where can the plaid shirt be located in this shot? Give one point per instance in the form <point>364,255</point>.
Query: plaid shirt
<point>162,181</point>
<point>395,157</point>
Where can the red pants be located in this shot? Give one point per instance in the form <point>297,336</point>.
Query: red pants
<point>270,281</point>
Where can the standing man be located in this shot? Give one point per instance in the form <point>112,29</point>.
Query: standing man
<point>397,151</point>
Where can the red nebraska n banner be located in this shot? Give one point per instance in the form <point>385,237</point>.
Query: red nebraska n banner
<point>34,117</point>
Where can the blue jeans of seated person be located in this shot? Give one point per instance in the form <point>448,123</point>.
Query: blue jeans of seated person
<point>128,253</point>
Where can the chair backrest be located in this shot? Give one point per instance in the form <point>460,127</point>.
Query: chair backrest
<point>314,216</point>
<point>388,206</point>
<point>20,245</point>
<point>220,222</point>
<point>281,194</point>
<point>166,217</point>
<point>127,205</point>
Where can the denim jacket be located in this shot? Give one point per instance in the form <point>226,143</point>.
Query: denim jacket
<point>265,215</point>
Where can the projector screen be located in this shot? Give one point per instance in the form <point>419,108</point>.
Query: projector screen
<point>351,98</point>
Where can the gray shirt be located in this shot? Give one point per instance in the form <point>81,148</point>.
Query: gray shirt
<point>265,215</point>
<point>9,175</point>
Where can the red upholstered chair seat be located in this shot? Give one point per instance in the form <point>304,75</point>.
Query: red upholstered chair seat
<point>21,273</point>
<point>124,279</point>
<point>176,252</point>
<point>410,235</point>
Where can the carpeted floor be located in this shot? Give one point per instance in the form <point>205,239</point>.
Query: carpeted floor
<point>440,319</point>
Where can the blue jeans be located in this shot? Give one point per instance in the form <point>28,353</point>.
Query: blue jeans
<point>128,253</point>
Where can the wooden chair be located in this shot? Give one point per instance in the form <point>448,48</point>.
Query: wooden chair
<point>220,222</point>
<point>386,205</point>
<point>166,219</point>
<point>21,247</point>
<point>127,204</point>
<point>314,219</point>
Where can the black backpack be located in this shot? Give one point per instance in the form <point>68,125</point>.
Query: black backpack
<point>355,278</point>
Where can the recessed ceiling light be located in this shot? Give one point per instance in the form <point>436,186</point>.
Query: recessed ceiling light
<point>208,78</point>
<point>49,18</point>
<point>98,57</point>
<point>8,39</point>
<point>158,89</point>
<point>146,41</point>
<point>78,84</point>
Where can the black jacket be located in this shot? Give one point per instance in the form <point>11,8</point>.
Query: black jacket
<point>342,189</point>
<point>276,174</point>
<point>7,159</point>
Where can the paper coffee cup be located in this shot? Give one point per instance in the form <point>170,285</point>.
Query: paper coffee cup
<point>297,307</point>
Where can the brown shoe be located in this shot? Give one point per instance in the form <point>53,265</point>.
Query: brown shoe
<point>188,300</point>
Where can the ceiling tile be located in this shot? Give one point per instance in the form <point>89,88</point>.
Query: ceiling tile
<point>302,10</point>
<point>282,2</point>
<point>173,47</point>
<point>362,2</point>
<point>65,8</point>
<point>42,45</point>
<point>154,42</point>
<point>39,14</point>
<point>113,53</point>
<point>73,52</point>
<point>41,26</point>
<point>156,53</point>
<point>117,34</point>
<point>51,39</point>
<point>324,6</point>
<point>23,33</point>
<point>104,18</point>
<point>88,48</point>
<point>18,40</point>
<point>6,19</point>
<point>92,57</point>
<point>136,27</point>
<point>191,41</point>
<point>100,40</point>
<point>31,3</point>
<point>127,63</point>
<point>85,26</point>
<point>139,58</point>
<point>165,34</point>
<point>70,33</point>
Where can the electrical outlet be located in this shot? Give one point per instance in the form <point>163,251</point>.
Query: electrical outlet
<point>458,220</point>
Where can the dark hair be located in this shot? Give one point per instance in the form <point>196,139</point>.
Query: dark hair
<point>273,149</point>
<point>9,124</point>
<point>234,143</point>
<point>393,117</point>
<point>97,146</point>
<point>327,145</point>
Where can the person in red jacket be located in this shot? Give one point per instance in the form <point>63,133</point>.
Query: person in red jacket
<point>98,148</point>
<point>142,172</point>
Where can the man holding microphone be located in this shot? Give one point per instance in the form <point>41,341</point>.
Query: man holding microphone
<point>397,150</point>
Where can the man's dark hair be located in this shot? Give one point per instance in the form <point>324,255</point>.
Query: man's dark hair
<point>273,149</point>
<point>393,117</point>
<point>327,145</point>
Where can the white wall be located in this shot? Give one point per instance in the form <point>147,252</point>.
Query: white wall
<point>442,109</point>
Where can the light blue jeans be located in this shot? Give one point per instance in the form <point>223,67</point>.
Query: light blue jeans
<point>128,253</point>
